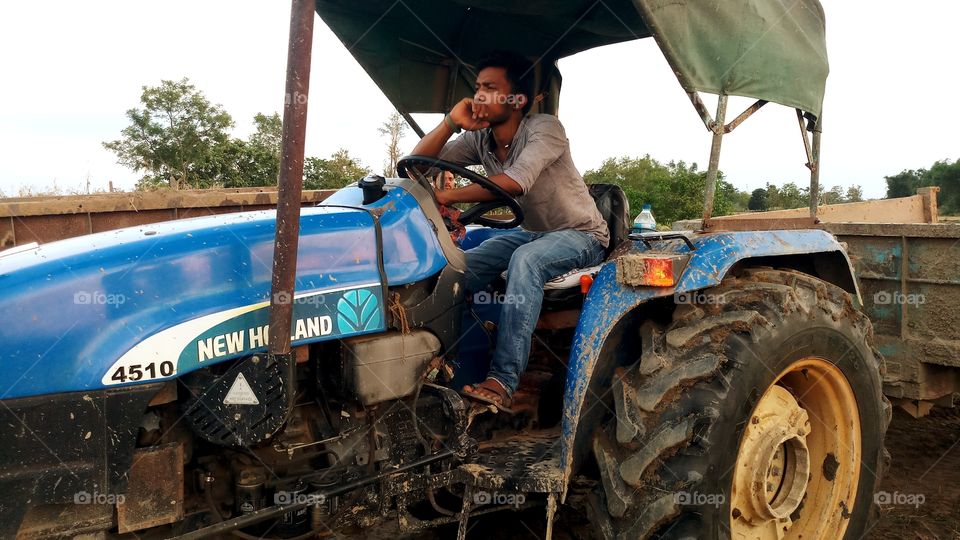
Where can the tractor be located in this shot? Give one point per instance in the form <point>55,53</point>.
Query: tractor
<point>295,373</point>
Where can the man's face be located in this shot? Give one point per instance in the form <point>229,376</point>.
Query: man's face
<point>448,181</point>
<point>494,92</point>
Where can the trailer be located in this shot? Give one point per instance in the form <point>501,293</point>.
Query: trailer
<point>906,262</point>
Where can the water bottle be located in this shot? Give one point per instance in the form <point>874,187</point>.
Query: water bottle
<point>645,221</point>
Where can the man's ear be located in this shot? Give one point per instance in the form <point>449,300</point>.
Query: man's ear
<point>520,101</point>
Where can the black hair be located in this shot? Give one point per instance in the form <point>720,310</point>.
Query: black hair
<point>519,70</point>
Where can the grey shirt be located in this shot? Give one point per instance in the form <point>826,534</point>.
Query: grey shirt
<point>554,194</point>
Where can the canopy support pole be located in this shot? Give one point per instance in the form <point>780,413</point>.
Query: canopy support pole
<point>412,123</point>
<point>712,172</point>
<point>744,115</point>
<point>290,188</point>
<point>815,173</point>
<point>812,149</point>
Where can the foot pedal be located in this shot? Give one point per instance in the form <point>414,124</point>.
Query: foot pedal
<point>528,463</point>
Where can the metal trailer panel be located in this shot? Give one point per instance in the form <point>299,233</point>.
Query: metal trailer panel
<point>909,276</point>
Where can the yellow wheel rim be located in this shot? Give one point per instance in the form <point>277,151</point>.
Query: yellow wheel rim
<point>798,464</point>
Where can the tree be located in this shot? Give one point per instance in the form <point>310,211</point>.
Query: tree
<point>904,184</point>
<point>943,174</point>
<point>946,175</point>
<point>854,194</point>
<point>333,173</point>
<point>393,129</point>
<point>758,200</point>
<point>268,133</point>
<point>675,190</point>
<point>251,163</point>
<point>791,196</point>
<point>774,199</point>
<point>224,165</point>
<point>833,196</point>
<point>739,200</point>
<point>173,137</point>
<point>259,157</point>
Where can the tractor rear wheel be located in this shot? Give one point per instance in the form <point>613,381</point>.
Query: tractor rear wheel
<point>756,414</point>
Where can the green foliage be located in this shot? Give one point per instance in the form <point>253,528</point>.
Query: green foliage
<point>854,194</point>
<point>173,138</point>
<point>257,160</point>
<point>269,132</point>
<point>946,175</point>
<point>758,200</point>
<point>943,174</point>
<point>178,139</point>
<point>739,199</point>
<point>834,195</point>
<point>788,196</point>
<point>904,184</point>
<point>333,173</point>
<point>675,190</point>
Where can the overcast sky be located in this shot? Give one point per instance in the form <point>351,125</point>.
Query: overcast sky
<point>71,69</point>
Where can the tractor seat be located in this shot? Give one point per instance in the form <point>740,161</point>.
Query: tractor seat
<point>571,279</point>
<point>563,291</point>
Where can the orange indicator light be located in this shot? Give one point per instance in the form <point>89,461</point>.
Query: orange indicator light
<point>659,272</point>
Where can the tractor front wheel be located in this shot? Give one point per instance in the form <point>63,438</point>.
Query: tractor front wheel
<point>757,414</point>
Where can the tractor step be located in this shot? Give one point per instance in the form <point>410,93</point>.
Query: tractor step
<point>525,463</point>
<point>87,520</point>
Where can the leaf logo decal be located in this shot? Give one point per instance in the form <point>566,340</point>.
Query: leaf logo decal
<point>357,311</point>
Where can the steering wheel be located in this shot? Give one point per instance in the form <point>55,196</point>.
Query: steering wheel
<point>475,213</point>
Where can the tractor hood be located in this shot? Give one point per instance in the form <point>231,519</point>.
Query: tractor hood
<point>153,302</point>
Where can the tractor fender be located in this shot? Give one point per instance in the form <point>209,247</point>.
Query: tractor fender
<point>610,302</point>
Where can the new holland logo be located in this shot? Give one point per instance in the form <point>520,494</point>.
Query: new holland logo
<point>317,315</point>
<point>357,311</point>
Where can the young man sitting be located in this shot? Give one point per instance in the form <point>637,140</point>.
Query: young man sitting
<point>529,157</point>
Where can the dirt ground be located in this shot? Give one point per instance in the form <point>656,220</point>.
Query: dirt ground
<point>920,493</point>
<point>923,483</point>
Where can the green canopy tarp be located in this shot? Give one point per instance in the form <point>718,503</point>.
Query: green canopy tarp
<point>421,53</point>
<point>765,49</point>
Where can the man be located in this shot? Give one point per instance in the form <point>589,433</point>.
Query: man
<point>529,157</point>
<point>445,181</point>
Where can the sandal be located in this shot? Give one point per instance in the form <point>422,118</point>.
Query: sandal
<point>501,400</point>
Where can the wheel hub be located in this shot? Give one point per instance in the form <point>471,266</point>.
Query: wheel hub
<point>798,462</point>
<point>774,461</point>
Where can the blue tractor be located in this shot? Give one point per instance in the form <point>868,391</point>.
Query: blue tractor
<point>710,383</point>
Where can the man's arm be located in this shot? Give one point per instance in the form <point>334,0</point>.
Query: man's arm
<point>470,116</point>
<point>432,143</point>
<point>465,114</point>
<point>476,193</point>
<point>547,143</point>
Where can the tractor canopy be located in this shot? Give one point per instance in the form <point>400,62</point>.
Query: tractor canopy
<point>422,53</point>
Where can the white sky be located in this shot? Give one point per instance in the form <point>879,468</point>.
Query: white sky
<point>71,69</point>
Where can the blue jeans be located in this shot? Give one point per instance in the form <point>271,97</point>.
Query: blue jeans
<point>530,259</point>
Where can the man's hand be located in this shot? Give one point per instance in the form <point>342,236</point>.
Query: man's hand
<point>470,115</point>
<point>466,114</point>
<point>441,197</point>
<point>474,193</point>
